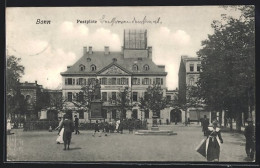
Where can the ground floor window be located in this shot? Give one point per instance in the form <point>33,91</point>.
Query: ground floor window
<point>81,114</point>
<point>146,113</point>
<point>113,114</point>
<point>134,114</point>
<point>104,113</point>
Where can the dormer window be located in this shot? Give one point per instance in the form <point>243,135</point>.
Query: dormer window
<point>146,67</point>
<point>114,59</point>
<point>93,67</point>
<point>135,67</point>
<point>88,59</point>
<point>140,59</point>
<point>82,67</point>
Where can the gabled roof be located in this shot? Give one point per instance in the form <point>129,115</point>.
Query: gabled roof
<point>101,61</point>
<point>114,64</point>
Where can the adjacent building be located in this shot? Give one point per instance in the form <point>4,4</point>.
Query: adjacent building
<point>132,67</point>
<point>189,73</point>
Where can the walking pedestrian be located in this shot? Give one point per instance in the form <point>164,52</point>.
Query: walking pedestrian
<point>96,129</point>
<point>213,143</point>
<point>59,140</point>
<point>67,124</point>
<point>205,124</point>
<point>117,126</point>
<point>76,122</point>
<point>250,139</point>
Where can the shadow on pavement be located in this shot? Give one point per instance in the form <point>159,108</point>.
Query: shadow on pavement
<point>77,148</point>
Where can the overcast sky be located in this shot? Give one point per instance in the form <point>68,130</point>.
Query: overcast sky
<point>47,49</point>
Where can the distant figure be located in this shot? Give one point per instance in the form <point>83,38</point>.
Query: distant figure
<point>96,129</point>
<point>106,128</point>
<point>250,139</point>
<point>205,124</point>
<point>67,124</point>
<point>121,127</point>
<point>167,121</point>
<point>59,140</point>
<point>213,143</point>
<point>160,121</point>
<point>76,122</point>
<point>50,129</point>
<point>9,127</point>
<point>117,126</point>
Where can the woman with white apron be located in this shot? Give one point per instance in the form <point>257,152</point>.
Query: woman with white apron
<point>59,140</point>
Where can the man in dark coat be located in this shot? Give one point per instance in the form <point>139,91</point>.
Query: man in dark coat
<point>67,124</point>
<point>250,141</point>
<point>76,121</point>
<point>205,124</point>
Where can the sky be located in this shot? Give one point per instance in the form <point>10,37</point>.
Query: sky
<point>47,49</point>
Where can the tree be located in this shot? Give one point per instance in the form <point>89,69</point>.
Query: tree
<point>154,100</point>
<point>227,78</point>
<point>123,101</point>
<point>14,72</point>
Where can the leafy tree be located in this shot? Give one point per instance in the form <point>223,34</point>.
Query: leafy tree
<point>14,71</point>
<point>123,101</point>
<point>154,100</point>
<point>227,78</point>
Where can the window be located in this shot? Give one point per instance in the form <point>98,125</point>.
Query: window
<point>113,81</point>
<point>82,67</point>
<point>118,81</point>
<point>124,81</point>
<point>81,81</point>
<point>81,114</point>
<point>191,82</point>
<point>134,114</point>
<point>191,67</point>
<point>70,96</point>
<point>93,67</point>
<point>146,81</point>
<point>69,81</point>
<point>104,96</point>
<point>113,95</point>
<point>114,59</point>
<point>146,67</point>
<point>198,67</point>
<point>104,113</point>
<point>168,97</point>
<point>135,67</point>
<point>135,95</point>
<point>136,81</point>
<point>146,113</point>
<point>81,96</point>
<point>103,81</point>
<point>139,59</point>
<point>91,80</point>
<point>88,59</point>
<point>145,96</point>
<point>158,81</point>
<point>113,114</point>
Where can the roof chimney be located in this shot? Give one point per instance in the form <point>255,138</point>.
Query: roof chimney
<point>106,50</point>
<point>90,50</point>
<point>36,82</point>
<point>85,50</point>
<point>150,52</point>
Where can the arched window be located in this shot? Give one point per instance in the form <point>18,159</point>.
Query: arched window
<point>191,82</point>
<point>135,67</point>
<point>93,67</point>
<point>82,67</point>
<point>146,67</point>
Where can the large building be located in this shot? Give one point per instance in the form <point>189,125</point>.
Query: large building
<point>189,73</point>
<point>131,67</point>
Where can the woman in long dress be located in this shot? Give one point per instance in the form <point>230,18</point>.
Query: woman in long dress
<point>59,140</point>
<point>213,143</point>
<point>9,127</point>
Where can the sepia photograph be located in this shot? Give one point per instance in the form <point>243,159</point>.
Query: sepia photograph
<point>130,84</point>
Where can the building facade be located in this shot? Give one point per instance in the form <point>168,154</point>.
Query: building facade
<point>132,67</point>
<point>189,73</point>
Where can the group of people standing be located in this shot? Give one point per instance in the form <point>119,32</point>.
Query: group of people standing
<point>214,139</point>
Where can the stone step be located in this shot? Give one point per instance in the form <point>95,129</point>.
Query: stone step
<point>152,132</point>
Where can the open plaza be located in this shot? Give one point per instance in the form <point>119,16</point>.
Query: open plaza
<point>41,146</point>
